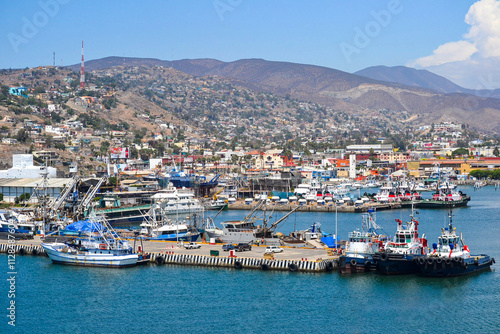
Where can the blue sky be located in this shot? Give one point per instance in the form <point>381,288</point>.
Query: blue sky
<point>346,35</point>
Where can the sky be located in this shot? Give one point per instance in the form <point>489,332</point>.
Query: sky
<point>459,40</point>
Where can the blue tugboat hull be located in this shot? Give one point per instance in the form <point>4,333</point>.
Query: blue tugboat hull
<point>433,267</point>
<point>396,264</point>
<point>351,265</point>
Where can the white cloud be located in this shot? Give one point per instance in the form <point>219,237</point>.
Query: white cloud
<point>476,56</point>
<point>449,52</point>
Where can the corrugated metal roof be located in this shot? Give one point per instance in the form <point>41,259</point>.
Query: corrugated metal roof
<point>29,182</point>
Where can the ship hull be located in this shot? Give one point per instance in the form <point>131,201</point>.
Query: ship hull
<point>396,264</point>
<point>90,260</point>
<point>350,265</point>
<point>434,267</point>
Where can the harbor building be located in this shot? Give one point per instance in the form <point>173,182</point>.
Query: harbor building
<point>22,167</point>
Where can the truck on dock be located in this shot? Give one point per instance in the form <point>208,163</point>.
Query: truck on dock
<point>242,247</point>
<point>192,245</point>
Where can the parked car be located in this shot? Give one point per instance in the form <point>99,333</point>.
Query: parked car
<point>243,247</point>
<point>227,247</point>
<point>192,245</point>
<point>274,249</point>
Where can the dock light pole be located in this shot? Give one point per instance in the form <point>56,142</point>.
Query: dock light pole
<point>336,227</point>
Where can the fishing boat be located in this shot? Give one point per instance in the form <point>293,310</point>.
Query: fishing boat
<point>158,227</point>
<point>218,204</point>
<point>176,231</point>
<point>94,243</point>
<point>399,256</point>
<point>17,223</point>
<point>451,256</point>
<point>246,231</point>
<point>361,246</point>
<point>444,199</point>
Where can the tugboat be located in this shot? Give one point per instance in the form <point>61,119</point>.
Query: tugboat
<point>399,256</point>
<point>451,256</point>
<point>444,198</point>
<point>361,246</point>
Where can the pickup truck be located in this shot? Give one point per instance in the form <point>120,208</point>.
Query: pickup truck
<point>192,245</point>
<point>227,247</point>
<point>242,247</point>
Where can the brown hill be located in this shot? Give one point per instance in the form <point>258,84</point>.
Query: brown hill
<point>341,90</point>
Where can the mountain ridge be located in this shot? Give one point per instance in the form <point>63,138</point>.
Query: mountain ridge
<point>334,88</point>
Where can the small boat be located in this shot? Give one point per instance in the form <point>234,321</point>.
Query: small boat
<point>176,231</point>
<point>218,204</point>
<point>94,243</point>
<point>361,246</point>
<point>451,256</point>
<point>399,256</point>
<point>17,223</point>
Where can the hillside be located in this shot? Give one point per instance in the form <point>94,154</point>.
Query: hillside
<point>339,90</point>
<point>421,78</point>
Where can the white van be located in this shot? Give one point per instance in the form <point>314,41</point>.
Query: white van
<point>274,249</point>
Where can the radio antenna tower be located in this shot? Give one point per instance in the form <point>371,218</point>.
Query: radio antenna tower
<point>82,73</point>
<point>54,58</point>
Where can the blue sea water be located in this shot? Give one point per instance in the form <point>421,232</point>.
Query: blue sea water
<point>181,299</point>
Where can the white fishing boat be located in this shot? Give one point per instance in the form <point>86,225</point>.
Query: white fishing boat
<point>94,243</point>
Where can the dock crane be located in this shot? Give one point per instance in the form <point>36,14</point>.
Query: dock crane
<point>83,206</point>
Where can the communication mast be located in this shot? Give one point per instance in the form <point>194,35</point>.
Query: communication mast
<point>82,73</point>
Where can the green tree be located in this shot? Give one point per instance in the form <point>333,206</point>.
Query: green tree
<point>60,146</point>
<point>496,153</point>
<point>24,197</point>
<point>23,136</point>
<point>113,181</point>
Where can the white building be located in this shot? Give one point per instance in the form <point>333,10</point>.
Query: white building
<point>22,167</point>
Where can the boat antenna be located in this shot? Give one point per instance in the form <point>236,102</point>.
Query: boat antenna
<point>450,215</point>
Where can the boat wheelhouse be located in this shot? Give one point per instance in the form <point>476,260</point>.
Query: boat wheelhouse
<point>451,256</point>
<point>397,256</point>
<point>361,246</point>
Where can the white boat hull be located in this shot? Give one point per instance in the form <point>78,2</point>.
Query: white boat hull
<point>90,259</point>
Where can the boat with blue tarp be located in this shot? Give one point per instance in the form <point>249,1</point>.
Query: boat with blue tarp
<point>90,242</point>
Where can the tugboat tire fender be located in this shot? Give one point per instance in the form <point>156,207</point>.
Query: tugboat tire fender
<point>329,266</point>
<point>160,260</point>
<point>238,265</point>
<point>466,265</point>
<point>493,260</point>
<point>294,267</point>
<point>456,259</point>
<point>439,260</point>
<point>447,261</point>
<point>368,265</point>
<point>264,266</point>
<point>430,260</point>
<point>353,262</point>
<point>384,256</point>
<point>421,260</point>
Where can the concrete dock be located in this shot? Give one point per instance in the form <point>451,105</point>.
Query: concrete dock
<point>161,252</point>
<point>318,207</point>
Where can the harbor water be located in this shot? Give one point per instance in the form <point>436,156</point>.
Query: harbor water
<point>185,299</point>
